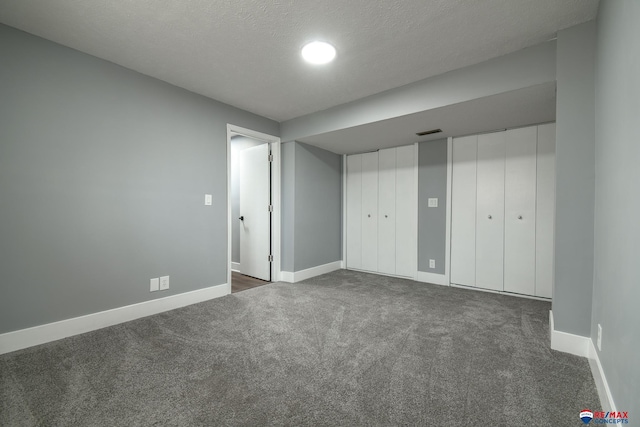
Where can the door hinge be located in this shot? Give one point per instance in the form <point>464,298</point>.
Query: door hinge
<point>270,258</point>
<point>270,157</point>
<point>270,208</point>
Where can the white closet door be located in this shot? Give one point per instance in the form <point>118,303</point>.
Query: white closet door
<point>463,211</point>
<point>406,255</point>
<point>490,211</point>
<point>520,211</point>
<point>545,209</point>
<point>354,211</point>
<point>370,211</point>
<point>387,211</point>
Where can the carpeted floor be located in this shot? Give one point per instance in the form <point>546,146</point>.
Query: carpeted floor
<point>345,349</point>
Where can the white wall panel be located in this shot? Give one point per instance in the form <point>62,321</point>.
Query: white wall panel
<point>406,212</point>
<point>354,211</point>
<point>545,209</point>
<point>520,211</point>
<point>370,211</point>
<point>490,211</point>
<point>463,211</point>
<point>387,211</point>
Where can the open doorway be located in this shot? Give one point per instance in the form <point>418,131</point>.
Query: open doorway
<point>254,208</point>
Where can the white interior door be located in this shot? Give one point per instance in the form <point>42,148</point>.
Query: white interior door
<point>370,211</point>
<point>463,210</point>
<point>520,211</point>
<point>406,211</point>
<point>545,209</point>
<point>354,211</point>
<point>490,211</point>
<point>387,211</point>
<point>255,218</point>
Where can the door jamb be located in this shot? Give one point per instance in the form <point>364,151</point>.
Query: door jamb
<point>233,130</point>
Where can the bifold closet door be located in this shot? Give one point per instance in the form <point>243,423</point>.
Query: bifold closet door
<point>463,210</point>
<point>354,211</point>
<point>406,246</point>
<point>387,211</point>
<point>520,211</point>
<point>545,209</point>
<point>370,211</point>
<point>490,211</point>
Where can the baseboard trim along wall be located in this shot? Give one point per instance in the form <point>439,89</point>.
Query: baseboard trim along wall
<point>606,399</point>
<point>235,266</point>
<point>568,343</point>
<point>298,276</point>
<point>583,346</point>
<point>17,340</point>
<point>436,279</point>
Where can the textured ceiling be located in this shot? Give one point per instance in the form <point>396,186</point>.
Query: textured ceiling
<point>246,52</point>
<point>522,107</point>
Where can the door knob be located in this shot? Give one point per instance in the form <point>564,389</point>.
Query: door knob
<point>519,216</point>
<point>489,217</point>
<point>369,215</point>
<point>386,216</point>
<point>241,218</point>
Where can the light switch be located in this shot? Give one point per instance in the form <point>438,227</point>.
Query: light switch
<point>208,199</point>
<point>433,202</point>
<point>154,285</point>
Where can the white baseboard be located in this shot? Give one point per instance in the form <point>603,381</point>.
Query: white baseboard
<point>17,340</point>
<point>286,276</point>
<point>298,276</point>
<point>568,343</point>
<point>235,266</point>
<point>606,399</point>
<point>436,279</point>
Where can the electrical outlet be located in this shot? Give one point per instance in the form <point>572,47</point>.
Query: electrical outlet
<point>164,283</point>
<point>154,285</point>
<point>432,202</point>
<point>599,337</point>
<point>432,263</point>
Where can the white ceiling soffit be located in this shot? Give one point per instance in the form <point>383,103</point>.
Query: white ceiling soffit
<point>247,52</point>
<point>532,105</point>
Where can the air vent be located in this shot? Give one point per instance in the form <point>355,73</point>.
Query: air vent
<point>429,132</point>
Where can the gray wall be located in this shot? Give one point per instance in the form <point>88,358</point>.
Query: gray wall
<point>575,179</point>
<point>311,207</point>
<point>238,143</point>
<point>103,173</point>
<point>288,180</point>
<point>432,222</point>
<point>318,207</point>
<point>616,290</point>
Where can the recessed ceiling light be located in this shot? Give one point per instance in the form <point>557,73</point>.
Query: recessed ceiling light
<point>318,52</point>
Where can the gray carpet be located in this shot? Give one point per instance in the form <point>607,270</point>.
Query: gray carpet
<point>345,348</point>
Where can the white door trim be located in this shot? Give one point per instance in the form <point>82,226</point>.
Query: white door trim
<point>275,196</point>
<point>447,255</point>
<point>344,210</point>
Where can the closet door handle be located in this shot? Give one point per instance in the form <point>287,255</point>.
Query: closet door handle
<point>386,216</point>
<point>489,217</point>
<point>519,216</point>
<point>369,215</point>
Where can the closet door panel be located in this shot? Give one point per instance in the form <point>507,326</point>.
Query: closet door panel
<point>387,211</point>
<point>520,211</point>
<point>490,211</point>
<point>370,211</point>
<point>545,209</point>
<point>354,211</point>
<point>463,211</point>
<point>406,212</point>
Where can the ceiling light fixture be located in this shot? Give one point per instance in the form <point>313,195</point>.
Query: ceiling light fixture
<point>318,52</point>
